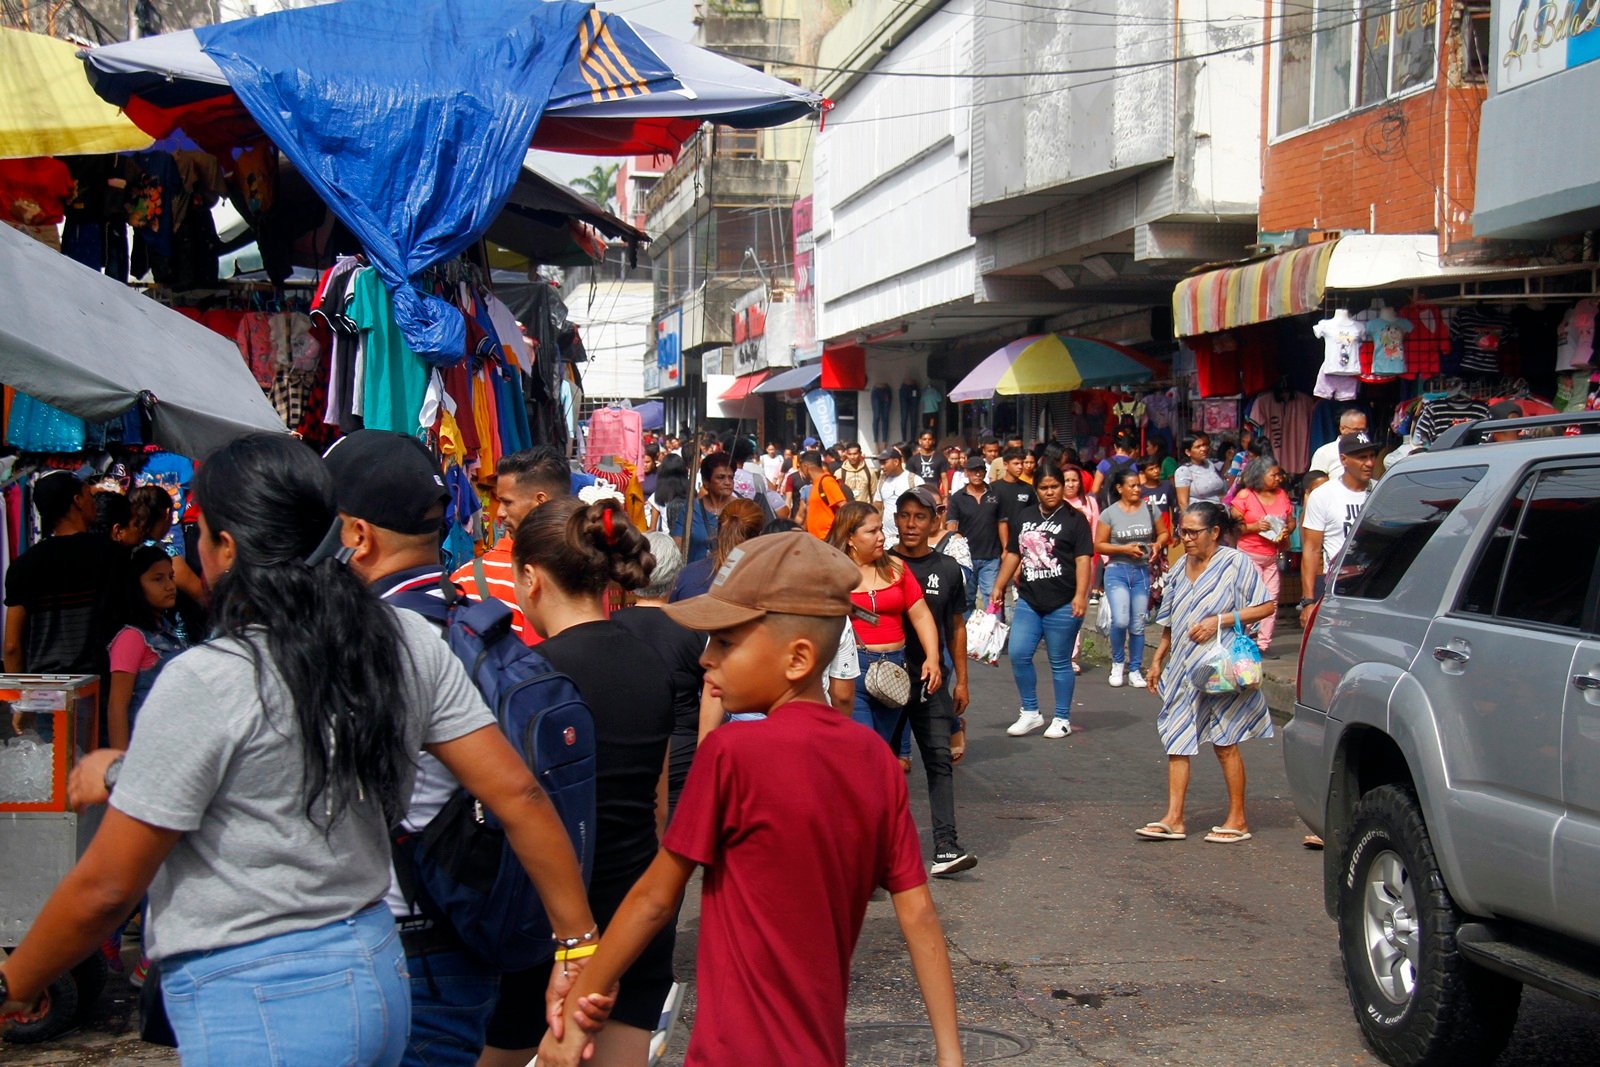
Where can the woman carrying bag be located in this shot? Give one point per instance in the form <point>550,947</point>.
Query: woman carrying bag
<point>1129,535</point>
<point>1266,519</point>
<point>1214,587</point>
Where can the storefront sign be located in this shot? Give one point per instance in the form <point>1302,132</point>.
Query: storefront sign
<point>805,280</point>
<point>669,352</point>
<point>1534,40</point>
<point>750,332</point>
<point>824,412</point>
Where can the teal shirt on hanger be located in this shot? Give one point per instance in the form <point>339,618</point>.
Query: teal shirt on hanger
<point>395,378</point>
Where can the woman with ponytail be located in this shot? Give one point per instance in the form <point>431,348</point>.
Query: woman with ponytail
<point>566,554</point>
<point>256,797</point>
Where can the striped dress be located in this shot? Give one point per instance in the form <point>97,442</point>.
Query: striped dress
<point>1188,717</point>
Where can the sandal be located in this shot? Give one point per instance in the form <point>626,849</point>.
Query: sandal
<point>1076,669</point>
<point>1227,835</point>
<point>957,751</point>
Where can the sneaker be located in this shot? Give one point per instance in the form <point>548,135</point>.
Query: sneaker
<point>1027,722</point>
<point>1058,728</point>
<point>141,972</point>
<point>1115,680</point>
<point>1136,679</point>
<point>111,951</point>
<point>950,862</point>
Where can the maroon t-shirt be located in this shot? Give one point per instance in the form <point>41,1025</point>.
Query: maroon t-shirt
<point>796,819</point>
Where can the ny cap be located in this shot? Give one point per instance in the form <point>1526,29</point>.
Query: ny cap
<point>786,574</point>
<point>1352,444</point>
<point>388,479</point>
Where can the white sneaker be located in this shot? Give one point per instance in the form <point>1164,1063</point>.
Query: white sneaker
<point>1115,681</point>
<point>1136,679</point>
<point>1027,722</point>
<point>1058,728</point>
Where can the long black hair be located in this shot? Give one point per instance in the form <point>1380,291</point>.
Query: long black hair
<point>136,609</point>
<point>337,650</point>
<point>672,479</point>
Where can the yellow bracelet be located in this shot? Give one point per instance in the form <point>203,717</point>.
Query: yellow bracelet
<point>564,955</point>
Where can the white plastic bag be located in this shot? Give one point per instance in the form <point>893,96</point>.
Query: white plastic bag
<point>986,636</point>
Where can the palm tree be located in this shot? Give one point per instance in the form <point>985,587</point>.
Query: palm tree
<point>599,185</point>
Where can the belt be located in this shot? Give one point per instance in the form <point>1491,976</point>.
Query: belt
<point>423,937</point>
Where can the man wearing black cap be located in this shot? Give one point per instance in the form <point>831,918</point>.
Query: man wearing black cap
<point>893,482</point>
<point>58,617</point>
<point>1331,513</point>
<point>975,514</point>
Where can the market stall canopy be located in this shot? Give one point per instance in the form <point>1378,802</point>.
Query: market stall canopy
<point>1054,363</point>
<point>545,221</point>
<point>652,414</point>
<point>46,107</point>
<point>743,386</point>
<point>410,117</point>
<point>797,379</point>
<point>92,347</point>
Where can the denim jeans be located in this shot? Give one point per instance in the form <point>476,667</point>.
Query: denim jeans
<point>984,572</point>
<point>874,713</point>
<point>1059,631</point>
<point>333,994</point>
<point>882,398</point>
<point>1128,591</point>
<point>452,997</point>
<point>931,722</point>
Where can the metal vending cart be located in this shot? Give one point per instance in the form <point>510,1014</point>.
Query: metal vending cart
<point>46,722</point>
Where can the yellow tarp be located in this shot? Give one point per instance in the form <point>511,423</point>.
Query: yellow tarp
<point>47,107</point>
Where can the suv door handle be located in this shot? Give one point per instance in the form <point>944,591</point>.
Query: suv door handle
<point>1445,654</point>
<point>1586,682</point>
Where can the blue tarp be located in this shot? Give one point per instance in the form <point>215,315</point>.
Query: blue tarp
<point>410,118</point>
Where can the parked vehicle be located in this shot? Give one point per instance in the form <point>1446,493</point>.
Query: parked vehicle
<point>1446,739</point>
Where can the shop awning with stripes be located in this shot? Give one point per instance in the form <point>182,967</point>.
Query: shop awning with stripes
<point>1289,283</point>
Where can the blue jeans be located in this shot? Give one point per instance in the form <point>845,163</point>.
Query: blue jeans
<point>333,994</point>
<point>1128,590</point>
<point>1059,631</point>
<point>984,572</point>
<point>874,713</point>
<point>452,997</point>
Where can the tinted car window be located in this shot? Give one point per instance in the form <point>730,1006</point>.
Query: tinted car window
<point>1480,595</point>
<point>1553,553</point>
<point>1395,526</point>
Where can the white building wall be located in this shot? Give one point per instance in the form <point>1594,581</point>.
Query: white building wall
<point>892,184</point>
<point>614,325</point>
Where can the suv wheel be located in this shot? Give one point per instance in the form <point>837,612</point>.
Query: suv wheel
<point>1419,1002</point>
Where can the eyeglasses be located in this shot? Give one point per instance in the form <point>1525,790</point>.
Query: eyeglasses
<point>1188,534</point>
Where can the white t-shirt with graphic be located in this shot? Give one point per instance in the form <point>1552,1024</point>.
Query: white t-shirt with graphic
<point>1341,339</point>
<point>1332,509</point>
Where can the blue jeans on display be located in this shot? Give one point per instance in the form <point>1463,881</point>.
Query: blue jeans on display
<point>452,997</point>
<point>882,400</point>
<point>873,713</point>
<point>985,571</point>
<point>334,994</point>
<point>1059,631</point>
<point>1128,590</point>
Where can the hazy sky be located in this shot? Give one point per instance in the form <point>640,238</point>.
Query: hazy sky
<point>675,17</point>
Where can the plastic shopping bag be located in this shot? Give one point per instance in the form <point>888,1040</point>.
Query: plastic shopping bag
<point>1102,617</point>
<point>986,636</point>
<point>1233,664</point>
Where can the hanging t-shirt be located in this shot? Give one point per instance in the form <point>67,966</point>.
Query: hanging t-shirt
<point>1050,546</point>
<point>396,378</point>
<point>1341,340</point>
<point>1332,509</point>
<point>1388,345</point>
<point>1481,333</point>
<point>1287,426</point>
<point>1575,338</point>
<point>1430,337</point>
<point>1439,415</point>
<point>931,399</point>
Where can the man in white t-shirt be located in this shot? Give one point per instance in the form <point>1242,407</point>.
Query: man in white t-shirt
<point>893,480</point>
<point>1325,460</point>
<point>1331,513</point>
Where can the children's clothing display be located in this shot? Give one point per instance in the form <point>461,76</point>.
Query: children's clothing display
<point>1482,334</point>
<point>1341,336</point>
<point>1388,332</point>
<point>1575,337</point>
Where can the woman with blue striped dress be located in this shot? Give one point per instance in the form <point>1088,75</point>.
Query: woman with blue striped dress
<point>1215,586</point>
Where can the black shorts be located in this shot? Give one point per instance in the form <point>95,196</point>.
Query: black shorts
<point>518,1019</point>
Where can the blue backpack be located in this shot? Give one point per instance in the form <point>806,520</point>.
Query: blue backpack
<point>460,869</point>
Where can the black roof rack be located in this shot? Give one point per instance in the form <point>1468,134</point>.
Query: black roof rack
<point>1471,433</point>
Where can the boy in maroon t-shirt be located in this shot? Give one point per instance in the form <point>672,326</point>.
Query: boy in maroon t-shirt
<point>796,818</point>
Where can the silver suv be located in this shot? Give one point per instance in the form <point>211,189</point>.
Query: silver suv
<point>1446,739</point>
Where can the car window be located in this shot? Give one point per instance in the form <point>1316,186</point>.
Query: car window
<point>1536,566</point>
<point>1396,524</point>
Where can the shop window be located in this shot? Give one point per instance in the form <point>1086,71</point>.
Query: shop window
<point>1333,58</point>
<point>1476,44</point>
<point>1397,525</point>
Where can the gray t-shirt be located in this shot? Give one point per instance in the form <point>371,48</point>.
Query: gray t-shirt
<point>208,760</point>
<point>1203,481</point>
<point>1129,528</point>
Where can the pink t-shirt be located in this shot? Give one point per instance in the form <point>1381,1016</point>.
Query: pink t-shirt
<point>131,653</point>
<point>1254,509</point>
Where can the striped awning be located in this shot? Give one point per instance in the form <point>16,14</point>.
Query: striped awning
<point>1289,283</point>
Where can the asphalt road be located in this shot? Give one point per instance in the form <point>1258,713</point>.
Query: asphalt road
<point>1074,942</point>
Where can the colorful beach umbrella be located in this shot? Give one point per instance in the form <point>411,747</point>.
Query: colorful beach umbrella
<point>1054,363</point>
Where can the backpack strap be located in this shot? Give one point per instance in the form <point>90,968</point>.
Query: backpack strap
<point>480,578</point>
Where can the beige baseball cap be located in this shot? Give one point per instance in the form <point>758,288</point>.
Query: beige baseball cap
<point>787,574</point>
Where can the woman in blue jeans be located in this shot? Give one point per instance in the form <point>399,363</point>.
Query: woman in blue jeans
<point>255,799</point>
<point>1049,554</point>
<point>1128,535</point>
<point>890,591</point>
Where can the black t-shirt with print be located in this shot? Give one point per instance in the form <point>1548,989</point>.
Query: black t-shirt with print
<point>1049,547</point>
<point>978,520</point>
<point>944,590</point>
<point>928,468</point>
<point>1014,497</point>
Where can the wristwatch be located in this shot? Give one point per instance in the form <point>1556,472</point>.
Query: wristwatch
<point>113,771</point>
<point>1306,603</point>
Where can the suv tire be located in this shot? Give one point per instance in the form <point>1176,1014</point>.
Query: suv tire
<point>1418,1000</point>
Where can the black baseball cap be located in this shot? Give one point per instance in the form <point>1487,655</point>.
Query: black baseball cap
<point>1353,444</point>
<point>890,453</point>
<point>976,463</point>
<point>388,479</point>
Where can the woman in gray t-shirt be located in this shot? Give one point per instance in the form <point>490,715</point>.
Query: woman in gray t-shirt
<point>1197,480</point>
<point>1129,534</point>
<point>255,800</point>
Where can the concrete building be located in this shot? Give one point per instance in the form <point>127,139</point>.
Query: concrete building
<point>993,170</point>
<point>719,219</point>
<point>612,306</point>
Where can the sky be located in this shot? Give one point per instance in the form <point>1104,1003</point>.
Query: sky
<point>675,17</point>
